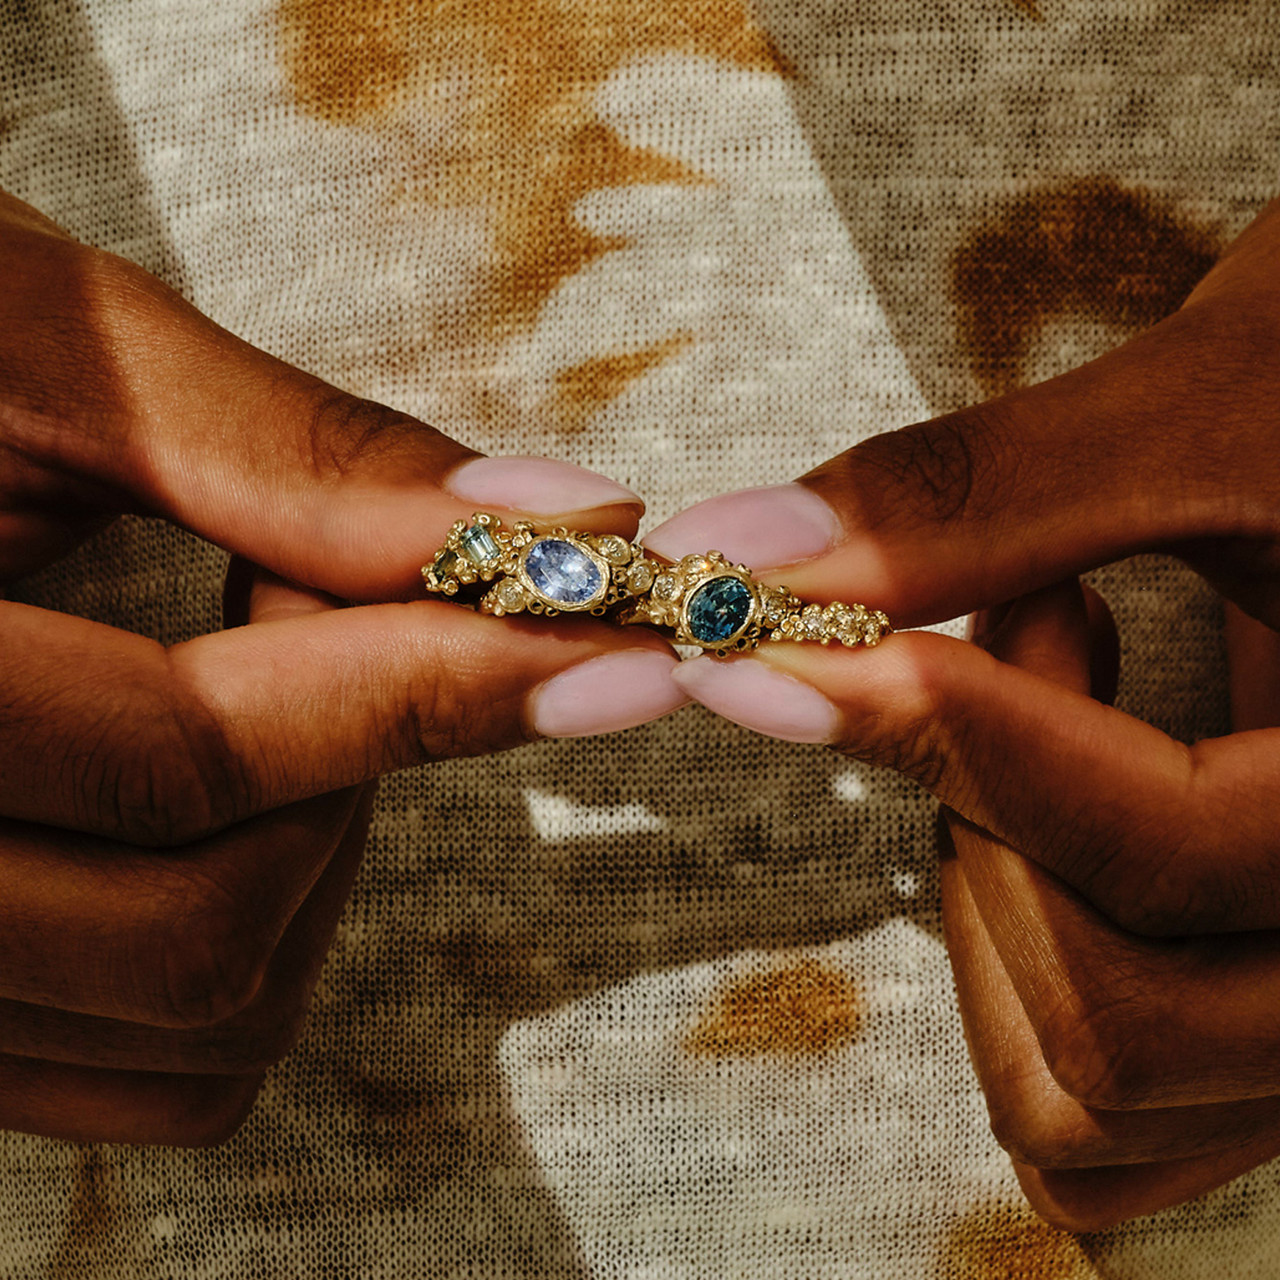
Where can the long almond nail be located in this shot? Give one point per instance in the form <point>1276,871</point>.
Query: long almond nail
<point>616,691</point>
<point>756,697</point>
<point>543,486</point>
<point>764,528</point>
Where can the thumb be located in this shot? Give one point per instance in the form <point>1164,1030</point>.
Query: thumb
<point>980,506</point>
<point>116,394</point>
<point>1102,800</point>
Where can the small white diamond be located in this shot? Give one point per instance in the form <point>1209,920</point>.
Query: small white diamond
<point>615,550</point>
<point>667,587</point>
<point>640,576</point>
<point>511,596</point>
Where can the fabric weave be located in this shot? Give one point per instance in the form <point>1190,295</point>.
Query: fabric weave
<point>671,1003</point>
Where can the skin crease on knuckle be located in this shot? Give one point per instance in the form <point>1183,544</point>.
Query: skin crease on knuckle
<point>113,737</point>
<point>943,466</point>
<point>203,956</point>
<point>345,435</point>
<point>177,779</point>
<point>1038,1127</point>
<point>1104,1039</point>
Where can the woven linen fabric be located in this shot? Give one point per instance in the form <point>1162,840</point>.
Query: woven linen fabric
<point>671,1003</point>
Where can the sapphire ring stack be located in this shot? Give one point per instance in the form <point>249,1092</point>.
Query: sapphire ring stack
<point>519,570</point>
<point>703,600</point>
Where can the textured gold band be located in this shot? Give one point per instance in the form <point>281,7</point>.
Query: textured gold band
<point>520,570</point>
<point>703,600</point>
<point>720,607</point>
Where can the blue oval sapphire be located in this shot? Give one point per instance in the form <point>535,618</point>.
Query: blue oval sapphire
<point>563,574</point>
<point>718,610</point>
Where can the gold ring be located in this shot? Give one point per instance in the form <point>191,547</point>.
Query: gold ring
<point>520,570</point>
<point>702,600</point>
<point>721,608</point>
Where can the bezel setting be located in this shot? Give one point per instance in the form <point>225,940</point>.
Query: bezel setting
<point>466,568</point>
<point>676,589</point>
<point>550,602</point>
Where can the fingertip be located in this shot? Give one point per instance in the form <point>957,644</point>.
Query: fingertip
<point>538,486</point>
<point>606,693</point>
<point>1253,659</point>
<point>236,588</point>
<point>1045,632</point>
<point>272,599</point>
<point>1104,647</point>
<point>765,528</point>
<point>251,593</point>
<point>752,694</point>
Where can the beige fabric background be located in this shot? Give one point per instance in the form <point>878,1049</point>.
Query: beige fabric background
<point>673,1003</point>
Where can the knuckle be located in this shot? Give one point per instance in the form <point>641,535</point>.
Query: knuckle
<point>160,773</point>
<point>915,752</point>
<point>1039,1128</point>
<point>1103,1050</point>
<point>1165,908</point>
<point>207,957</point>
<point>1157,883</point>
<point>939,472</point>
<point>152,793</point>
<point>256,1043</point>
<point>345,434</point>
<point>925,729</point>
<point>205,1111</point>
<point>444,719</point>
<point>1069,1200</point>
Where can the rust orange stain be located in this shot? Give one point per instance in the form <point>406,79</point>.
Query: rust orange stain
<point>540,243</point>
<point>95,1216</point>
<point>1011,1244</point>
<point>589,386</point>
<point>1093,247</point>
<point>519,77</point>
<point>802,1009</point>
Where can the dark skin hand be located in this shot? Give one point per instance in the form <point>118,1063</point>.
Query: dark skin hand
<point>180,828</point>
<point>1113,900</point>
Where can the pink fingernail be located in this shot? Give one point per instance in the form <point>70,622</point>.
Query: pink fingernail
<point>541,485</point>
<point>753,695</point>
<point>763,528</point>
<point>617,691</point>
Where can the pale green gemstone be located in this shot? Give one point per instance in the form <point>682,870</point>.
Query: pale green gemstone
<point>446,563</point>
<point>479,545</point>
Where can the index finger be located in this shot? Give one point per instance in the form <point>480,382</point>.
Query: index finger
<point>986,504</point>
<point>116,394</point>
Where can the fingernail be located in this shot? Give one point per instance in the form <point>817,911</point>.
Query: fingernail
<point>541,485</point>
<point>617,691</point>
<point>756,697</point>
<point>763,528</point>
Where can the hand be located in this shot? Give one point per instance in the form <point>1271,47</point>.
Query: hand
<point>1114,906</point>
<point>179,828</point>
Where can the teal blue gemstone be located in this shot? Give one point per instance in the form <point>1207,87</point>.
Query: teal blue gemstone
<point>479,545</point>
<point>718,610</point>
